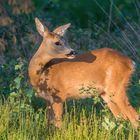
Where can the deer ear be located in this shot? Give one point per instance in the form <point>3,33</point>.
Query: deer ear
<point>40,27</point>
<point>62,29</point>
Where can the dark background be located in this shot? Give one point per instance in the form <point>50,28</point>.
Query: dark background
<point>95,24</point>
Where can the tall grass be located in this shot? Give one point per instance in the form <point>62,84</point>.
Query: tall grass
<point>81,121</point>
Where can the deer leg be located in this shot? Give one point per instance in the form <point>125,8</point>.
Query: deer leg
<point>49,102</point>
<point>49,114</point>
<point>115,87</point>
<point>126,108</point>
<point>58,111</point>
<point>112,106</point>
<point>132,110</point>
<point>123,103</point>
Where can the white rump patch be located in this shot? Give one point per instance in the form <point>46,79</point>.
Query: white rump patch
<point>134,64</point>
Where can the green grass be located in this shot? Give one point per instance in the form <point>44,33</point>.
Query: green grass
<point>81,121</point>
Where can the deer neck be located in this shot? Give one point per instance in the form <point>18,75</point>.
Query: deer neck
<point>37,63</point>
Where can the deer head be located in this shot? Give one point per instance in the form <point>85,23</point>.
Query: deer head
<point>53,43</point>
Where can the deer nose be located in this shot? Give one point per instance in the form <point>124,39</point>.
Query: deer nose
<point>73,52</point>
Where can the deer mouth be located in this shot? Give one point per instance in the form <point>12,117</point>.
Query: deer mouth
<point>71,55</point>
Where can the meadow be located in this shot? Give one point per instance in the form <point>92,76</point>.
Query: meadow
<point>82,120</point>
<point>96,24</point>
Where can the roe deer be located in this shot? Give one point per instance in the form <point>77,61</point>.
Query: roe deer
<point>57,80</point>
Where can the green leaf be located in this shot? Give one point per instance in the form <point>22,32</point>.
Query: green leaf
<point>18,67</point>
<point>13,94</point>
<point>17,82</point>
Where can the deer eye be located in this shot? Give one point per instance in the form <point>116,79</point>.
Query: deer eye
<point>57,43</point>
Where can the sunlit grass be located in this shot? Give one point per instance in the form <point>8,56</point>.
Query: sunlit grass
<point>81,121</point>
